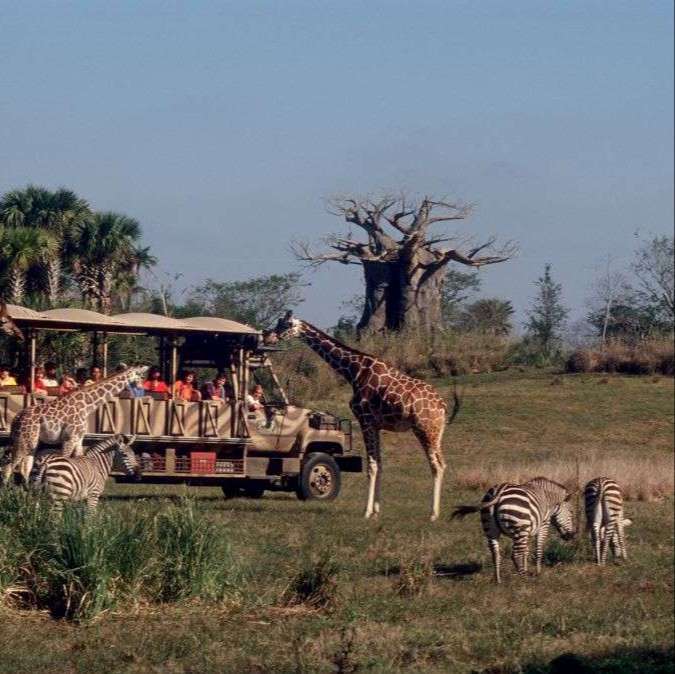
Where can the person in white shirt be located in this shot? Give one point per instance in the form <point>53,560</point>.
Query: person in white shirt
<point>50,379</point>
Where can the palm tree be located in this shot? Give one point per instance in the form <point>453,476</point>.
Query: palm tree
<point>20,249</point>
<point>108,257</point>
<point>59,213</point>
<point>491,316</point>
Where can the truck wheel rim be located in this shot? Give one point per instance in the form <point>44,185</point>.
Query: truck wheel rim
<point>321,481</point>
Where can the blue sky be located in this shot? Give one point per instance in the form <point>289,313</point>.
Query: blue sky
<point>222,125</point>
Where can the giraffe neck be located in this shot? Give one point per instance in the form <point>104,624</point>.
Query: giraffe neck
<point>343,359</point>
<point>91,396</point>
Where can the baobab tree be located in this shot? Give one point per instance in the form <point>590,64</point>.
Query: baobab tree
<point>404,262</point>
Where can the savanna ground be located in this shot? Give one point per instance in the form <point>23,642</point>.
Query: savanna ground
<point>402,594</point>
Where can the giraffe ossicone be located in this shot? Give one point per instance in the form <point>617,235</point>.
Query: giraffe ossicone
<point>62,420</point>
<point>384,399</point>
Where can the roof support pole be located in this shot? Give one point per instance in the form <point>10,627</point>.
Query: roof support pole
<point>105,354</point>
<point>174,359</point>
<point>32,355</point>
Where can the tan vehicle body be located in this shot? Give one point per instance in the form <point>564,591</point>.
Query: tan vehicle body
<point>266,449</point>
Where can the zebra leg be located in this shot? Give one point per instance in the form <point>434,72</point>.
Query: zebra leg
<point>92,502</point>
<point>595,542</point>
<point>606,541</point>
<point>621,540</point>
<point>519,554</point>
<point>540,543</point>
<point>493,544</point>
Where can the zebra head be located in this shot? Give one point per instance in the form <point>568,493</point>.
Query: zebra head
<point>126,454</point>
<point>563,519</point>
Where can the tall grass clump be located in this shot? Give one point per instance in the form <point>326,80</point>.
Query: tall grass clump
<point>648,356</point>
<point>314,585</point>
<point>76,567</point>
<point>194,559</point>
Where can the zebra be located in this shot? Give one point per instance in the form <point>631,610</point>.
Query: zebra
<point>521,511</point>
<point>604,518</point>
<point>83,478</point>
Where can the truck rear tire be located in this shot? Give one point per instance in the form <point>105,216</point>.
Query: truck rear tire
<point>319,479</point>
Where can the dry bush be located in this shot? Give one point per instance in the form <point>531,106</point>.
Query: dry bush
<point>642,478</point>
<point>645,357</point>
<point>420,354</point>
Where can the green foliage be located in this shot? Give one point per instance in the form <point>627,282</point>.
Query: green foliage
<point>315,583</point>
<point>258,301</point>
<point>78,567</point>
<point>490,316</point>
<point>546,317</point>
<point>458,286</point>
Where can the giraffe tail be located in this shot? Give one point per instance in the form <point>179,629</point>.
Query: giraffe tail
<point>457,403</point>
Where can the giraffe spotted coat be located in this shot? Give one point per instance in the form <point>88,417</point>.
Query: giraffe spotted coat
<point>384,399</point>
<point>60,421</point>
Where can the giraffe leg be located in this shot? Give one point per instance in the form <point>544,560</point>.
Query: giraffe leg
<point>72,444</point>
<point>371,437</point>
<point>432,448</point>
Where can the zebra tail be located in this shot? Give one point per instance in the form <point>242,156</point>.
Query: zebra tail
<point>463,510</point>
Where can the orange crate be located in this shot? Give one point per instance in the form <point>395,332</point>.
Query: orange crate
<point>202,462</point>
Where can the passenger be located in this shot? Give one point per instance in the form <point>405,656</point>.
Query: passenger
<point>39,382</point>
<point>68,384</point>
<point>255,400</point>
<point>50,379</point>
<point>184,388</point>
<point>95,375</point>
<point>6,378</point>
<point>215,390</point>
<point>81,377</point>
<point>134,389</point>
<point>154,383</point>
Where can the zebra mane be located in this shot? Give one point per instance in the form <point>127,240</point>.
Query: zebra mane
<point>547,485</point>
<point>117,441</point>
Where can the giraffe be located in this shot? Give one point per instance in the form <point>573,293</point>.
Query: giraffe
<point>7,325</point>
<point>384,399</point>
<point>61,420</point>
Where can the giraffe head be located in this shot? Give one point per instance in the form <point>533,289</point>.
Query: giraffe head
<point>133,373</point>
<point>287,327</point>
<point>7,325</point>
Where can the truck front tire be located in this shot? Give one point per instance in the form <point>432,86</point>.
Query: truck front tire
<point>319,479</point>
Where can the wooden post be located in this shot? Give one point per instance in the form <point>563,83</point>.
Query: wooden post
<point>174,360</point>
<point>32,356</point>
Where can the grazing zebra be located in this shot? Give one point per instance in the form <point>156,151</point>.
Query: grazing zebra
<point>520,511</point>
<point>604,518</point>
<point>80,478</point>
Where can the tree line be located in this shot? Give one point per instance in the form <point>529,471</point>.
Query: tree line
<point>56,250</point>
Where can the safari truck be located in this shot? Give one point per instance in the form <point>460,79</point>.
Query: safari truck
<point>214,442</point>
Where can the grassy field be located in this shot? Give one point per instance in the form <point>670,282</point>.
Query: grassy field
<point>321,590</point>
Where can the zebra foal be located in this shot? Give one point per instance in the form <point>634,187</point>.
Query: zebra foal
<point>603,499</point>
<point>521,511</point>
<point>83,478</point>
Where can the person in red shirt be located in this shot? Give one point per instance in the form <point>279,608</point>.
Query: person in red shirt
<point>184,388</point>
<point>39,386</point>
<point>154,383</point>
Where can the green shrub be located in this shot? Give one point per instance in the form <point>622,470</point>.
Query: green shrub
<point>315,583</point>
<point>76,566</point>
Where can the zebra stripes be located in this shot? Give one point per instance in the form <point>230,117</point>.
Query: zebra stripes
<point>520,512</point>
<point>83,478</point>
<point>604,518</point>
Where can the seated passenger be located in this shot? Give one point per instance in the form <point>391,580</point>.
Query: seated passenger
<point>68,384</point>
<point>50,379</point>
<point>81,377</point>
<point>6,378</point>
<point>133,389</point>
<point>215,390</point>
<point>95,375</point>
<point>39,382</point>
<point>255,400</point>
<point>154,383</point>
<point>184,388</point>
